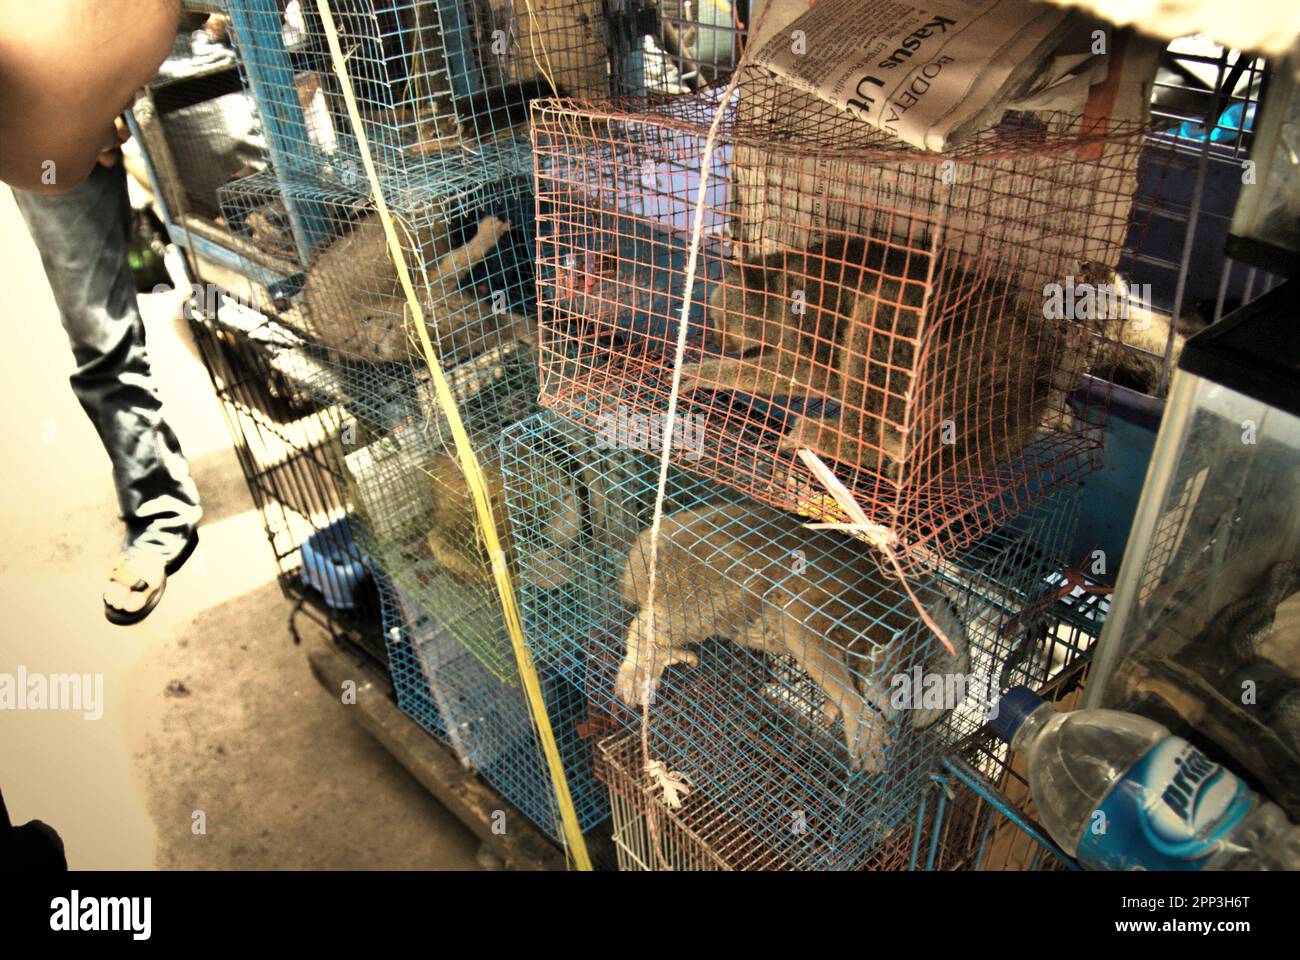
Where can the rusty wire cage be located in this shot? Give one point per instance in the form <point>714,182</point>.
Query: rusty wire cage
<point>894,311</point>
<point>779,662</point>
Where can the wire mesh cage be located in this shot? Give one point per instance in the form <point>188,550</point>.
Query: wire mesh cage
<point>650,834</point>
<point>981,815</point>
<point>693,44</point>
<point>199,126</point>
<point>464,221</point>
<point>900,313</point>
<point>975,812</point>
<point>787,677</point>
<point>429,76</point>
<point>282,434</point>
<point>449,692</point>
<point>466,235</point>
<point>404,480</point>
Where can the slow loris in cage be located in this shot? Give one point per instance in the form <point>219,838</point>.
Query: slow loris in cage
<point>357,305</point>
<point>734,571</point>
<point>457,546</point>
<point>842,321</point>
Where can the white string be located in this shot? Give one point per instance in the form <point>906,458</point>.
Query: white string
<point>655,770</point>
<point>885,539</point>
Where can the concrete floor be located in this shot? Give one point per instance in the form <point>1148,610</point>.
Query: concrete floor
<point>208,705</point>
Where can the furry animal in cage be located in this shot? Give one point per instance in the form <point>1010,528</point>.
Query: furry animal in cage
<point>357,304</point>
<point>842,321</point>
<point>837,618</point>
<point>455,543</point>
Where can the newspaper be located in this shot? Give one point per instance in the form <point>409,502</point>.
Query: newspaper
<point>928,75</point>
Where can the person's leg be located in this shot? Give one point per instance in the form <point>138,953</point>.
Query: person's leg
<point>81,236</point>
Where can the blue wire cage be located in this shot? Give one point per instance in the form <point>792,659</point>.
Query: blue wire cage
<point>757,725</point>
<point>451,695</point>
<point>974,812</point>
<point>430,77</point>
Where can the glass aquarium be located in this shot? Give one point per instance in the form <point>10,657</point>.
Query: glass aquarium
<point>1204,628</point>
<point>1265,229</point>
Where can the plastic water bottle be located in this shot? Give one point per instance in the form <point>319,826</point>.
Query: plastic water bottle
<point>1119,792</point>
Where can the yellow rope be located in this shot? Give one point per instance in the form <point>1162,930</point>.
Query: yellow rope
<point>574,843</point>
<point>534,28</point>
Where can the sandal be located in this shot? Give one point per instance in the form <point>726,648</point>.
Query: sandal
<point>140,580</point>
<point>178,561</point>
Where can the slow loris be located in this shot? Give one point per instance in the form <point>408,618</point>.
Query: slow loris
<point>842,321</point>
<point>357,305</point>
<point>456,543</point>
<point>730,571</point>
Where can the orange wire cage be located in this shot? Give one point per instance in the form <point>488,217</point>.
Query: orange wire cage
<point>936,327</point>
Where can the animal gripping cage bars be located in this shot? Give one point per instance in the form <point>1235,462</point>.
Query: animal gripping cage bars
<point>976,814</point>
<point>905,315</point>
<point>771,663</point>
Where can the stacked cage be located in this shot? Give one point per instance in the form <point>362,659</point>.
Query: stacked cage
<point>907,316</point>
<point>455,698</point>
<point>785,676</point>
<point>435,94</point>
<point>284,430</point>
<point>779,694</point>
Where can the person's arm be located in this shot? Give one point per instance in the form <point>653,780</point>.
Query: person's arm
<point>67,69</point>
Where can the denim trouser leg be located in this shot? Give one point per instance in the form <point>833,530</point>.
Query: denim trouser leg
<point>81,236</point>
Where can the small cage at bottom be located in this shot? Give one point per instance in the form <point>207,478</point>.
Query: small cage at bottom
<point>777,662</point>
<point>975,811</point>
<point>486,723</point>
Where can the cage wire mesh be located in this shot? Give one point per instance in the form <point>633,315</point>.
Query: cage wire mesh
<point>431,77</point>
<point>281,436</point>
<point>980,813</point>
<point>699,834</point>
<point>466,234</point>
<point>975,812</point>
<point>404,479</point>
<point>199,126</point>
<point>881,306</point>
<point>450,693</point>
<point>691,44</point>
<point>789,678</point>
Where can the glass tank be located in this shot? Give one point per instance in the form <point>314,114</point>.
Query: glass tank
<point>1204,628</point>
<point>1265,229</point>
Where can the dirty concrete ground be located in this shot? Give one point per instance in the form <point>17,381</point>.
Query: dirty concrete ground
<point>208,705</point>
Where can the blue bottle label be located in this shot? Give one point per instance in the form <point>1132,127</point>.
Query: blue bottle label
<point>1169,812</point>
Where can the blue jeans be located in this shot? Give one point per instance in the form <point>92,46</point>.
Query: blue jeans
<point>82,237</point>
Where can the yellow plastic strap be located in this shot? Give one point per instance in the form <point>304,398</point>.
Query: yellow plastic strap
<point>574,843</point>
